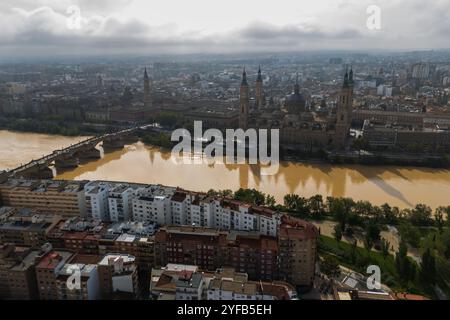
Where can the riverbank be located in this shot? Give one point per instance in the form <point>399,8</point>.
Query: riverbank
<point>52,127</point>
<point>162,139</point>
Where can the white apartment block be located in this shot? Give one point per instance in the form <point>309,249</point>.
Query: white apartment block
<point>179,206</point>
<point>96,194</point>
<point>119,200</point>
<point>170,206</point>
<point>152,209</point>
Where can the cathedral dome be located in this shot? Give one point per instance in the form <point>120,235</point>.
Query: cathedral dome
<point>295,102</point>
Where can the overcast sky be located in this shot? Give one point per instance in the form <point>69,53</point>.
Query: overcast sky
<point>41,27</point>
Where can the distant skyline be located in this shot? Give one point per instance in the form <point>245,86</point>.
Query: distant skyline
<point>40,28</point>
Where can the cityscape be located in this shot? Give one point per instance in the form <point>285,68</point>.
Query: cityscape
<point>187,160</point>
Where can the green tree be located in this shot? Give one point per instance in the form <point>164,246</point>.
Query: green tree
<point>385,245</point>
<point>405,268</point>
<point>428,268</point>
<point>337,233</point>
<point>410,233</point>
<point>226,193</point>
<point>316,205</point>
<point>270,201</point>
<point>420,215</point>
<point>353,251</point>
<point>446,243</point>
<point>340,209</point>
<point>368,243</point>
<point>373,231</point>
<point>445,213</point>
<point>296,203</point>
<point>330,266</point>
<point>252,196</point>
<point>439,219</point>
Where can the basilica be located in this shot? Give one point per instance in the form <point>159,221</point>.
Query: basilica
<point>299,125</point>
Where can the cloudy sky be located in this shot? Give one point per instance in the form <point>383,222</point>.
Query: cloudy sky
<point>51,27</point>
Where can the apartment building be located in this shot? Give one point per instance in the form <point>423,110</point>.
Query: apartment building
<point>97,205</point>
<point>297,249</point>
<point>47,271</point>
<point>78,279</point>
<point>111,201</point>
<point>17,275</point>
<point>119,202</point>
<point>65,198</point>
<point>176,282</point>
<point>179,206</point>
<point>189,245</point>
<point>118,276</point>
<point>26,228</point>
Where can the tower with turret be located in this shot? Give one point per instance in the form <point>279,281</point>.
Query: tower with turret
<point>243,102</point>
<point>344,111</point>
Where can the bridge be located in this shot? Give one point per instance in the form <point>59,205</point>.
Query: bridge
<point>70,157</point>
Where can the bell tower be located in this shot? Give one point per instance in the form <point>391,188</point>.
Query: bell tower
<point>344,111</point>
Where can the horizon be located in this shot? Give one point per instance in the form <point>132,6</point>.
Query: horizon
<point>51,29</point>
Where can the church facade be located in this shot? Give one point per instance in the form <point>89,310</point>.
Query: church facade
<point>300,127</point>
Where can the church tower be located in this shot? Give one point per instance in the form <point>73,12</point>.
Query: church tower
<point>259,99</point>
<point>243,102</point>
<point>147,91</point>
<point>344,111</point>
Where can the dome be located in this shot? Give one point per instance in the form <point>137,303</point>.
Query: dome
<point>295,102</point>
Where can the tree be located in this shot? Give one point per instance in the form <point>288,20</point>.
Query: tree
<point>353,252</point>
<point>439,219</point>
<point>337,233</point>
<point>251,196</point>
<point>363,208</point>
<point>385,245</point>
<point>226,193</point>
<point>405,268</point>
<point>289,201</point>
<point>212,193</point>
<point>340,209</point>
<point>372,232</point>
<point>316,206</point>
<point>296,203</point>
<point>410,234</point>
<point>330,266</point>
<point>270,201</point>
<point>368,243</point>
<point>428,269</point>
<point>445,213</point>
<point>420,215</point>
<point>446,243</point>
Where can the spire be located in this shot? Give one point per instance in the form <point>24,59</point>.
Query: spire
<point>351,76</point>
<point>259,78</point>
<point>145,74</point>
<point>346,78</point>
<point>244,78</point>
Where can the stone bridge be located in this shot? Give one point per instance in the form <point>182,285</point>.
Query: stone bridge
<point>70,157</point>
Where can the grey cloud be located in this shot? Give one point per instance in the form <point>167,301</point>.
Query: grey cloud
<point>405,23</point>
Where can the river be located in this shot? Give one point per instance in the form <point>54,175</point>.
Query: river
<point>402,187</point>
